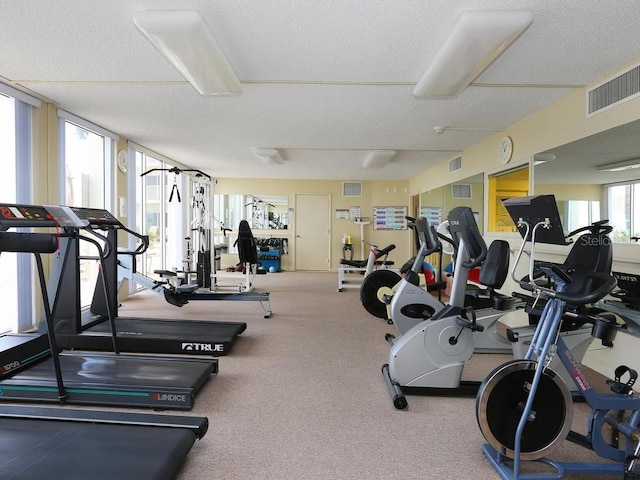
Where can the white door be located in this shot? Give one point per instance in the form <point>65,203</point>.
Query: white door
<point>313,232</point>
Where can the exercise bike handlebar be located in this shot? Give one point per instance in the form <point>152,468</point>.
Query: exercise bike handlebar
<point>379,252</point>
<point>599,227</point>
<point>476,262</point>
<point>606,284</point>
<point>385,250</point>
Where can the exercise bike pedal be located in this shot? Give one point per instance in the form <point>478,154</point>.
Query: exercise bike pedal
<point>617,386</point>
<point>469,323</point>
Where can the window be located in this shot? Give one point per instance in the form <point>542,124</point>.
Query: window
<point>86,160</point>
<point>576,214</point>
<point>8,261</point>
<point>159,214</point>
<point>16,292</point>
<point>623,210</point>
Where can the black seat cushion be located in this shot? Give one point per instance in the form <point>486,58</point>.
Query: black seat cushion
<point>246,243</point>
<point>495,267</point>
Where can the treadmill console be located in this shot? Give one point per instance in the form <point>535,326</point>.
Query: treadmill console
<point>17,216</point>
<point>96,217</point>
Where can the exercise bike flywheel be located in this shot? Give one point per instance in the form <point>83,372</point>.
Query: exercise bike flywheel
<point>369,291</point>
<point>501,400</point>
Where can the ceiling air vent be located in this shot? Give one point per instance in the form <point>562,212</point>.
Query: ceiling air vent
<point>461,191</point>
<point>455,164</point>
<point>351,189</point>
<point>618,89</point>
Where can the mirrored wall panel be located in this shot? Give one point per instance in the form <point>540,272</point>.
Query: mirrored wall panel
<point>597,177</point>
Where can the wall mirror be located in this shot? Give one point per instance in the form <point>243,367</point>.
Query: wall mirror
<point>469,192</point>
<point>595,177</point>
<point>263,212</point>
<point>436,204</point>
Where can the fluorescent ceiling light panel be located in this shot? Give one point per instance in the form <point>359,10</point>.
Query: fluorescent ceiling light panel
<point>474,43</point>
<point>184,38</point>
<point>270,156</point>
<point>619,166</point>
<point>378,158</point>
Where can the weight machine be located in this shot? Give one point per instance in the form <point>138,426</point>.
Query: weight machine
<point>198,279</point>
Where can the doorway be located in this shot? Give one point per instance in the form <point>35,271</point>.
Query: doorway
<point>313,232</point>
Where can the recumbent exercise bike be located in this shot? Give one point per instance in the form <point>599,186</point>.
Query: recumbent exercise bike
<point>524,409</point>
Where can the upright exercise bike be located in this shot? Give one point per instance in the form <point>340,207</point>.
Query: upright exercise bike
<point>523,408</point>
<point>411,304</point>
<point>381,286</point>
<point>377,259</point>
<point>430,356</point>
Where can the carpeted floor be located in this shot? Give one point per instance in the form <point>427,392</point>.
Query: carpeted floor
<point>301,396</point>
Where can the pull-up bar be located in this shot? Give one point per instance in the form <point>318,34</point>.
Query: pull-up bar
<point>178,171</point>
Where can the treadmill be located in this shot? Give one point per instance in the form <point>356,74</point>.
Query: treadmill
<point>40,442</point>
<point>91,330</point>
<point>86,377</point>
<point>46,442</point>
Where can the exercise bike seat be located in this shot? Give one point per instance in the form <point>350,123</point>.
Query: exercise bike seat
<point>591,252</point>
<point>353,263</point>
<point>493,273</point>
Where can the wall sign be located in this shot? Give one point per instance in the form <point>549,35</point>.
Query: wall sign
<point>389,218</point>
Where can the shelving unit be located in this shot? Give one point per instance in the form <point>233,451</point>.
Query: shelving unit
<point>270,252</point>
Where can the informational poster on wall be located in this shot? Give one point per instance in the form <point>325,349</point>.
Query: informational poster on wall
<point>389,218</point>
<point>342,214</point>
<point>432,214</point>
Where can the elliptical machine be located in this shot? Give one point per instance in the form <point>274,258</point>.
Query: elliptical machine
<point>523,408</point>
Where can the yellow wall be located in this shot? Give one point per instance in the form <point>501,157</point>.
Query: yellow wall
<point>499,187</point>
<point>374,194</point>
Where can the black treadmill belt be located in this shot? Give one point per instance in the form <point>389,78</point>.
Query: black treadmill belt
<point>33,449</point>
<point>114,370</point>
<point>172,329</point>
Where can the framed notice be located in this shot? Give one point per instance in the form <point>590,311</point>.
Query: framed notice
<point>389,218</point>
<point>342,214</point>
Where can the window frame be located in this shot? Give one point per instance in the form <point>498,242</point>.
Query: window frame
<point>24,104</point>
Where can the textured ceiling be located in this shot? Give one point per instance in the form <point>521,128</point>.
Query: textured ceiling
<point>325,82</point>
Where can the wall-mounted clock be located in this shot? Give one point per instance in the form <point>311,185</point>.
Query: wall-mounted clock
<point>123,161</point>
<point>505,148</point>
